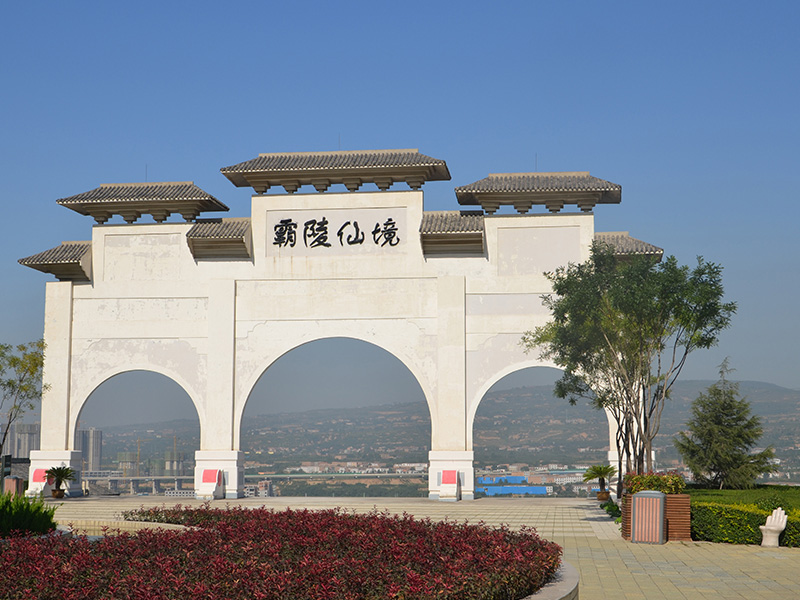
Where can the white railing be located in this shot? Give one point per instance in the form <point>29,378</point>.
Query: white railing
<point>180,493</point>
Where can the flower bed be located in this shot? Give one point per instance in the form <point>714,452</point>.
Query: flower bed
<point>237,554</point>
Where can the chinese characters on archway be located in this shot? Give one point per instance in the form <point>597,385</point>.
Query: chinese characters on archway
<point>318,233</point>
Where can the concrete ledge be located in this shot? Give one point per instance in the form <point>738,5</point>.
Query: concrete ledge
<point>564,585</point>
<point>90,527</point>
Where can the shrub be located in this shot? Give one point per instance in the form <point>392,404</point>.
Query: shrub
<point>611,508</point>
<point>19,514</point>
<point>239,553</point>
<point>668,483</point>
<point>738,524</point>
<point>771,502</point>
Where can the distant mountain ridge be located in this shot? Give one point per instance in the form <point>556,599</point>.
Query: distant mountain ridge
<point>525,424</point>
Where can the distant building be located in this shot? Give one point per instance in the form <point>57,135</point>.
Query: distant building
<point>90,443</point>
<point>23,437</point>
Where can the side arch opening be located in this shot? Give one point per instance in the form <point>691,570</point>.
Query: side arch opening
<point>138,432</point>
<point>364,430</point>
<point>528,442</point>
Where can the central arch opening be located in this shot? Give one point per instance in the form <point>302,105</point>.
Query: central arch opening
<point>337,416</point>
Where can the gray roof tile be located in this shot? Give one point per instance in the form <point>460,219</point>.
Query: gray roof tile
<point>293,170</point>
<point>580,181</point>
<point>451,221</point>
<point>220,229</point>
<point>342,160</point>
<point>552,190</point>
<point>132,200</point>
<point>67,252</point>
<point>71,261</point>
<point>141,192</point>
<point>623,244</point>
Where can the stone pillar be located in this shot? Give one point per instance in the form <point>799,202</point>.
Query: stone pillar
<point>57,366</point>
<point>230,462</point>
<point>41,460</point>
<point>218,449</point>
<point>449,439</point>
<point>55,434</point>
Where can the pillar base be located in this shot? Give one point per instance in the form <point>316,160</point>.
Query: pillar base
<point>231,465</point>
<point>451,460</point>
<point>41,460</point>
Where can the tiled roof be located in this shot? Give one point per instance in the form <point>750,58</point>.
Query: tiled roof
<point>553,190</point>
<point>451,221</point>
<point>71,261</point>
<point>452,233</point>
<point>623,244</point>
<point>139,192</point>
<point>318,161</point>
<point>352,168</point>
<point>220,229</point>
<point>220,238</point>
<point>131,200</point>
<point>580,181</point>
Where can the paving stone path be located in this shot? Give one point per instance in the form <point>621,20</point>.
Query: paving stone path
<point>610,568</point>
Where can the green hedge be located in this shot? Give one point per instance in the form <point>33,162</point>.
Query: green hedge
<point>738,524</point>
<point>17,513</point>
<point>668,483</point>
<point>766,497</point>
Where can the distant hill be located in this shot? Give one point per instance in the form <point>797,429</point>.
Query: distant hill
<point>525,424</point>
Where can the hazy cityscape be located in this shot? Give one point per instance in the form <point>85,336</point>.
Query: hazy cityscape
<point>523,433</point>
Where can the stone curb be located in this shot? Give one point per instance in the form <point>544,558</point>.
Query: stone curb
<point>564,585</point>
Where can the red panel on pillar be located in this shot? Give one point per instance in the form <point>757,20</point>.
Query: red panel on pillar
<point>210,476</point>
<point>449,477</point>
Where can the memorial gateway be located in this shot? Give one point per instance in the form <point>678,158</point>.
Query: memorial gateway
<point>212,302</point>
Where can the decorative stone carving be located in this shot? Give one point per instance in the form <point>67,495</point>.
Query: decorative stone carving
<point>772,529</point>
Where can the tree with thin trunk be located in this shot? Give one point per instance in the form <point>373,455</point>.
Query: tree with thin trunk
<point>20,383</point>
<point>622,329</point>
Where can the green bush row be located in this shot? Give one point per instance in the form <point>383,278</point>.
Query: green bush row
<point>766,497</point>
<point>19,514</point>
<point>668,483</point>
<point>738,524</point>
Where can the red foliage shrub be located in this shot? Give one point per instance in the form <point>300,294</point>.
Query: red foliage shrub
<point>259,554</point>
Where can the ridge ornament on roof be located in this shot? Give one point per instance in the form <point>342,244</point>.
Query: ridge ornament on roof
<point>293,170</point>
<point>132,200</point>
<point>553,190</point>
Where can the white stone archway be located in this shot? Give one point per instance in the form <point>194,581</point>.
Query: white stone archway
<point>215,301</point>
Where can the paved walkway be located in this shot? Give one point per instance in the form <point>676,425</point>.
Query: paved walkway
<point>609,567</point>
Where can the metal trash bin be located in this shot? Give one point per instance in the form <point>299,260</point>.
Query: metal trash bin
<point>13,485</point>
<point>648,517</point>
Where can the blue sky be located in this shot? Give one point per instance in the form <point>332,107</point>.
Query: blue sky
<point>691,107</point>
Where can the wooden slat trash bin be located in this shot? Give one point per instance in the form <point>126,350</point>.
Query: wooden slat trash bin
<point>648,517</point>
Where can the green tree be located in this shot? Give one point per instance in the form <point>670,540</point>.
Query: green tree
<point>20,382</point>
<point>601,473</point>
<point>721,434</point>
<point>622,329</point>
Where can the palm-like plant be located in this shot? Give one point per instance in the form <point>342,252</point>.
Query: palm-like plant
<point>600,472</point>
<point>60,474</point>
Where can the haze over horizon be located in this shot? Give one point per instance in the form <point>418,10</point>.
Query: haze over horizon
<point>696,121</point>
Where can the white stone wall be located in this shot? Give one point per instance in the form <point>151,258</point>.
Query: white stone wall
<point>215,326</point>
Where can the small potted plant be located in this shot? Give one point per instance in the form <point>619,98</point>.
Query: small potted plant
<point>601,473</point>
<point>59,475</point>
